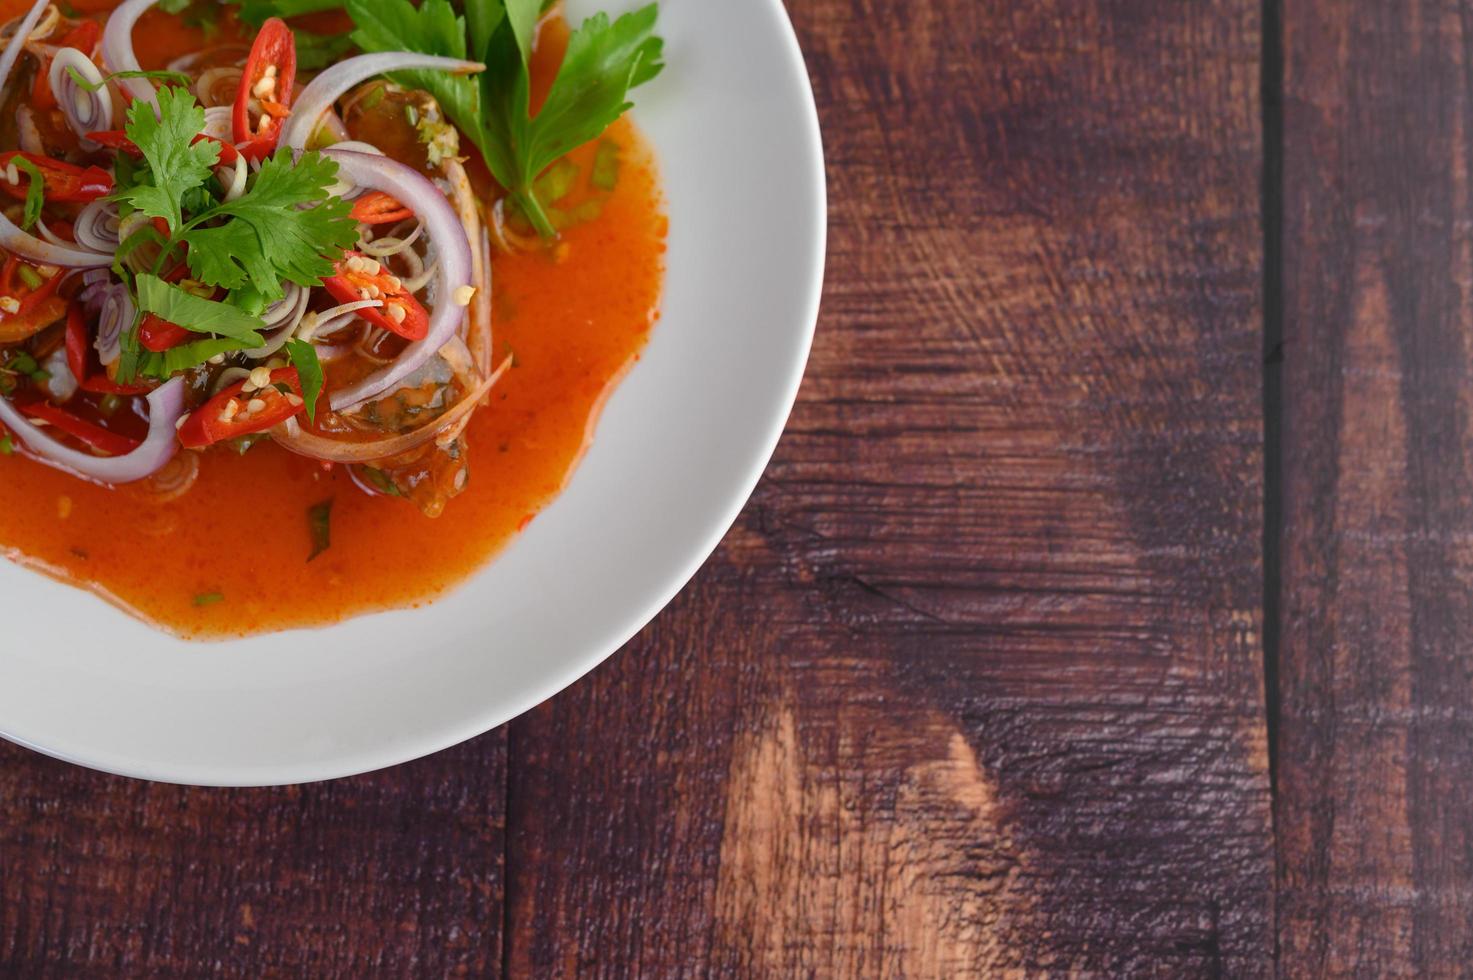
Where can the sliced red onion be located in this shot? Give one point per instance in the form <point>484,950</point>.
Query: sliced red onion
<point>444,232</point>
<point>117,49</point>
<point>165,407</point>
<point>85,111</point>
<point>327,88</point>
<point>216,87</point>
<point>382,248</point>
<point>218,123</point>
<point>12,238</point>
<point>96,228</point>
<point>291,435</point>
<point>115,314</point>
<point>335,128</point>
<point>282,315</point>
<point>332,320</point>
<point>94,276</point>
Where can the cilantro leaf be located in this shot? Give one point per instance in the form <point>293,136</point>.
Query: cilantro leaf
<point>285,227</point>
<point>309,371</point>
<point>196,313</point>
<point>174,165</point>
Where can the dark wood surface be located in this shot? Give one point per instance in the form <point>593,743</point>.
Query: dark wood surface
<point>977,682</point>
<point>1376,720</point>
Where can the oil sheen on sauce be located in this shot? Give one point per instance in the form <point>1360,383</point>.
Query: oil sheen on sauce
<point>230,557</point>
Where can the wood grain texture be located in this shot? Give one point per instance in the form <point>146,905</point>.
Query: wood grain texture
<point>974,686</point>
<point>1376,734</point>
<point>395,873</point>
<point>975,683</point>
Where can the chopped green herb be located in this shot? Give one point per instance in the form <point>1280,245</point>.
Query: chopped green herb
<point>40,376</point>
<point>6,446</point>
<point>167,77</point>
<point>319,521</point>
<point>309,371</point>
<point>243,444</point>
<point>29,276</point>
<point>208,599</point>
<point>605,174</point>
<point>557,182</point>
<point>109,405</point>
<point>35,191</point>
<point>380,481</point>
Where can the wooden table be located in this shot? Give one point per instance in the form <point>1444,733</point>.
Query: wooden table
<point>1141,392</point>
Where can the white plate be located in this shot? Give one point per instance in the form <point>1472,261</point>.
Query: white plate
<point>680,447</point>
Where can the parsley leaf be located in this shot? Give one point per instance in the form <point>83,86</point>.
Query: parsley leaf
<point>309,371</point>
<point>196,313</point>
<point>286,227</point>
<point>174,165</point>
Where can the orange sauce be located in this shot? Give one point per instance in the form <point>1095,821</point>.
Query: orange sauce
<point>575,320</point>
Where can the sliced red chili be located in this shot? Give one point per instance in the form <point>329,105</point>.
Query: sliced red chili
<point>104,441</point>
<point>273,56</point>
<point>64,182</point>
<point>229,414</point>
<point>350,284</point>
<point>378,208</point>
<point>80,358</point>
<point>157,334</point>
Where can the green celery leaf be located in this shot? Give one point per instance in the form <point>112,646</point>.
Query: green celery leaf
<point>316,51</point>
<point>604,61</point>
<point>482,17</point>
<point>185,356</point>
<point>433,28</point>
<point>195,313</point>
<point>257,12</point>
